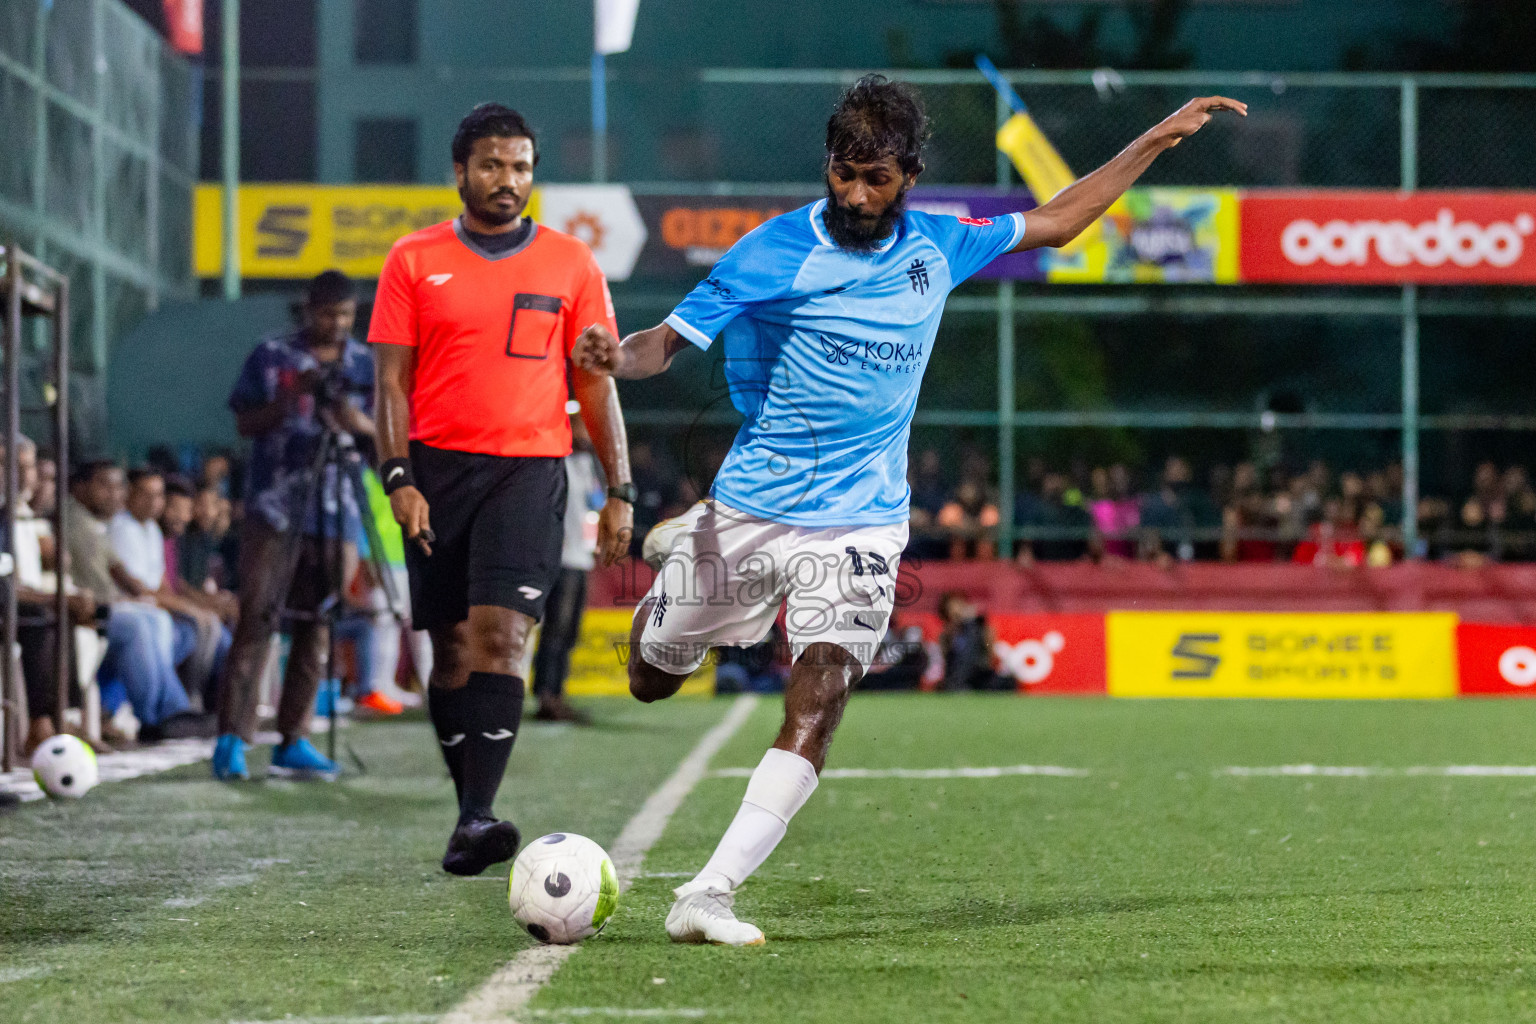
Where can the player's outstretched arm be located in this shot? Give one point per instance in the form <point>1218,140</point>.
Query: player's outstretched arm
<point>642,354</point>
<point>1069,213</point>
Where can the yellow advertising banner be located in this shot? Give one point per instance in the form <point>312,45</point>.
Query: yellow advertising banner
<point>297,231</point>
<point>1218,654</point>
<point>597,662</point>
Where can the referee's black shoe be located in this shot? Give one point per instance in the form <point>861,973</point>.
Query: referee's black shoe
<point>477,844</point>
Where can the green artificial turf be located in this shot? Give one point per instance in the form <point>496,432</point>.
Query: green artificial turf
<point>1153,889</point>
<point>177,899</point>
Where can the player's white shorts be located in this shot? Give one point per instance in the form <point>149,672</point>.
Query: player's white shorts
<point>723,583</point>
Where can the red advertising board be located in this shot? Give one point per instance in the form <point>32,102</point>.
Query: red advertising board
<point>1044,653</point>
<point>1344,237</point>
<point>1497,660</point>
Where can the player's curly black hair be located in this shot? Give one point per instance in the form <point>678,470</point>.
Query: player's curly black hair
<point>875,118</point>
<point>491,121</point>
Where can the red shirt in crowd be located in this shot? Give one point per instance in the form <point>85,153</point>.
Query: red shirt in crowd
<point>492,335</point>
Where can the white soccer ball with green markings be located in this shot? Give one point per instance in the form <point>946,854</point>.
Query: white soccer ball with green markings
<point>563,888</point>
<point>65,767</point>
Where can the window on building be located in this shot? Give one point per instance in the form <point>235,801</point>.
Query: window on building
<point>384,150</point>
<point>385,31</point>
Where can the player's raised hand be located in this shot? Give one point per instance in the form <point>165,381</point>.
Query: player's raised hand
<point>597,350</point>
<point>1194,115</point>
<point>615,529</point>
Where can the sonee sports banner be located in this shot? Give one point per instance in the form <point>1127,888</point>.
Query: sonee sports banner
<point>1352,655</point>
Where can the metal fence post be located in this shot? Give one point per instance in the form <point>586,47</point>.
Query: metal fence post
<point>1005,413</point>
<point>1410,182</point>
<point>230,137</point>
<point>10,684</point>
<point>1005,363</point>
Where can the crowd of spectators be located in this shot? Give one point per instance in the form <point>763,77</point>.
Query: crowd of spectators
<point>1314,513</point>
<point>1239,513</point>
<point>151,571</point>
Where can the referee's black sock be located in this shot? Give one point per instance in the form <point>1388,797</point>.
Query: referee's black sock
<point>493,710</point>
<point>446,708</point>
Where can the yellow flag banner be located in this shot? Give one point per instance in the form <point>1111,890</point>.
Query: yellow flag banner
<point>1223,654</point>
<point>1036,160</point>
<point>1045,173</point>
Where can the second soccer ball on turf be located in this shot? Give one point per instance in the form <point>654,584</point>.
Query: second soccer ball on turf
<point>563,888</point>
<point>64,767</point>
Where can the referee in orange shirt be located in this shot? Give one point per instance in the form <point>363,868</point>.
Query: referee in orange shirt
<point>473,324</point>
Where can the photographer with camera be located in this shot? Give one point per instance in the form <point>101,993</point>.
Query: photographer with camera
<point>291,391</point>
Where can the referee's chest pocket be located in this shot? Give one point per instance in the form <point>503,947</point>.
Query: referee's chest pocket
<point>537,322</point>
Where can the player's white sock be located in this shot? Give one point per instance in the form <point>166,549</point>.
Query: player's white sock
<point>780,786</point>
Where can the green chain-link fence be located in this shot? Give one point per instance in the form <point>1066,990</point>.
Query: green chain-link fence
<point>98,155</point>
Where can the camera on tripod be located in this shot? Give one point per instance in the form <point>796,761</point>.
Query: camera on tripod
<point>329,386</point>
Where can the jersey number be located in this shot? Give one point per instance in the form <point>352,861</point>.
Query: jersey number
<point>535,322</point>
<point>877,564</point>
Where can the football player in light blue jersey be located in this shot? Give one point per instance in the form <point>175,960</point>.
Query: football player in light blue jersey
<point>828,316</point>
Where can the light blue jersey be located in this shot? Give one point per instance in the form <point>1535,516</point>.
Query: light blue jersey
<point>824,354</point>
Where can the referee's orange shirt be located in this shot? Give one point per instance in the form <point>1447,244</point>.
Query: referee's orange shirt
<point>492,335</point>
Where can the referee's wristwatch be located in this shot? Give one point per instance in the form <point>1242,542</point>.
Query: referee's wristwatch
<point>624,492</point>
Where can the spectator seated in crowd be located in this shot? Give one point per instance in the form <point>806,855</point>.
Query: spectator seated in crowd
<point>208,552</point>
<point>1052,521</point>
<point>36,587</point>
<point>200,638</point>
<point>140,633</point>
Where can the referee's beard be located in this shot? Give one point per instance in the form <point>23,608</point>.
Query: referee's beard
<point>858,232</point>
<point>487,208</point>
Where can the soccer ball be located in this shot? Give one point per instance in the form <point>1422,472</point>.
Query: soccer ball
<point>563,888</point>
<point>64,766</point>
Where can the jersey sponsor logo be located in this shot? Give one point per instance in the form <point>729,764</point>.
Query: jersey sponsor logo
<point>439,279</point>
<point>530,593</point>
<point>917,273</point>
<point>903,357</point>
<point>976,222</point>
<point>499,734</point>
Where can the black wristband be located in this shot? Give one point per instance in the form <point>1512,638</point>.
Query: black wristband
<point>395,474</point>
<point>624,492</point>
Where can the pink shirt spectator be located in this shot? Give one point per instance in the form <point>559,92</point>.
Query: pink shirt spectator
<point>1116,516</point>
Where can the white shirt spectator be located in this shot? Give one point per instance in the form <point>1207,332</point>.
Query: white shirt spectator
<point>140,547</point>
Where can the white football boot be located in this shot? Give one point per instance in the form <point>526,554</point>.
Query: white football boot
<point>705,916</point>
<point>665,536</point>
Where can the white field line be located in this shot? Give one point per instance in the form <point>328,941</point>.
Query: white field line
<point>127,764</point>
<point>1450,771</point>
<point>506,993</point>
<point>664,1013</point>
<point>993,772</point>
<point>388,1018</point>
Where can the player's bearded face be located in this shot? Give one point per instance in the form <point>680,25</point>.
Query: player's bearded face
<point>864,202</point>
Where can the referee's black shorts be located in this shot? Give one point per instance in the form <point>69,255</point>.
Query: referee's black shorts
<point>499,521</point>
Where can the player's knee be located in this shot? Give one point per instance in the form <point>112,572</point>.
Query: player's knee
<point>648,684</point>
